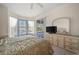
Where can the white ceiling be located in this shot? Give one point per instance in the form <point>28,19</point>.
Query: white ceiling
<point>24,9</point>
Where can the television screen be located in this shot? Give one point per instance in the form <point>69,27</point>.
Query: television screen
<point>51,29</point>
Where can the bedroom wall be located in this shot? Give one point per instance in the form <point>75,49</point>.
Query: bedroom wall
<point>3,20</point>
<point>66,10</point>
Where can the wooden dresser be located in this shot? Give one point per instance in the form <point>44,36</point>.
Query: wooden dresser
<point>70,43</point>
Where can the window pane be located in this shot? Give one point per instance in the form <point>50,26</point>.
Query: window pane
<point>22,27</point>
<point>22,23</point>
<point>30,27</point>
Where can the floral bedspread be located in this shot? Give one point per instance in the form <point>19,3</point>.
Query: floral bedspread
<point>29,47</point>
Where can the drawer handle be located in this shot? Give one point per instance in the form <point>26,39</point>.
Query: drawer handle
<point>70,44</point>
<point>70,48</point>
<point>71,40</point>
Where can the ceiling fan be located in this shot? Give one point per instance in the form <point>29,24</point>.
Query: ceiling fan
<point>38,4</point>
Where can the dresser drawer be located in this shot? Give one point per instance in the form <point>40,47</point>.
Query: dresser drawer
<point>60,41</point>
<point>74,40</point>
<point>55,42</point>
<point>71,44</point>
<point>71,49</point>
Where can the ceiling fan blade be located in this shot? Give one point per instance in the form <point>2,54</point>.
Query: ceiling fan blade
<point>40,5</point>
<point>31,6</point>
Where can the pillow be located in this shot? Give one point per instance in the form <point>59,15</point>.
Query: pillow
<point>2,41</point>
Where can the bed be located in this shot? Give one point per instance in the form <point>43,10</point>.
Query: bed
<point>26,46</point>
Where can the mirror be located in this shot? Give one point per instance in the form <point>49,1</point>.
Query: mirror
<point>63,25</point>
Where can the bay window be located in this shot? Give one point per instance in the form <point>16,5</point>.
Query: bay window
<point>20,27</point>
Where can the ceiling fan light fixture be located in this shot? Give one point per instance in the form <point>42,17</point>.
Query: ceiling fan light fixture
<point>39,4</point>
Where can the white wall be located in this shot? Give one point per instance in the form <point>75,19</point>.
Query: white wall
<point>66,10</point>
<point>3,21</point>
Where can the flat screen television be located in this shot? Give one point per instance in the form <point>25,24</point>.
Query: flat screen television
<point>51,29</point>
